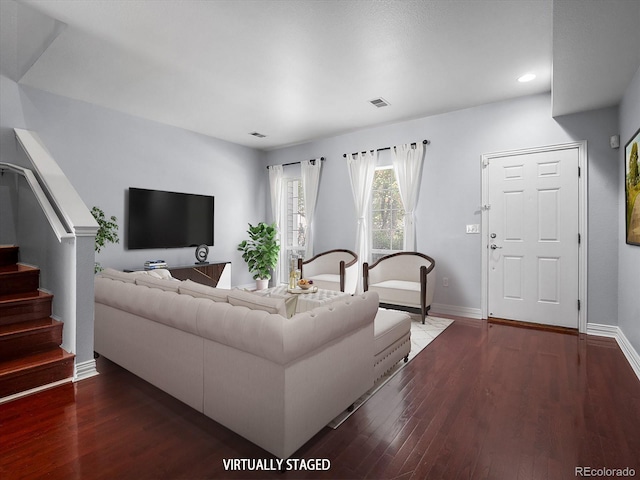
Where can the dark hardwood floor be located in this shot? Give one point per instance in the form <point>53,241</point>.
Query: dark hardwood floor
<point>482,401</point>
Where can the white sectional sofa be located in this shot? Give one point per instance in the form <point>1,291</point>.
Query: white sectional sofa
<point>274,380</point>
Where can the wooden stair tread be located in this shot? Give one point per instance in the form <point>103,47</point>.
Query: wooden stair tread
<point>19,365</point>
<point>17,268</point>
<point>27,326</point>
<point>18,278</point>
<point>26,306</point>
<point>24,297</point>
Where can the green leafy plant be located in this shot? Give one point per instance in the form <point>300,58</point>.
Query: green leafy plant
<point>261,250</point>
<point>107,232</point>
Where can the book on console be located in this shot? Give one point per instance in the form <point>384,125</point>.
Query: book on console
<point>151,264</point>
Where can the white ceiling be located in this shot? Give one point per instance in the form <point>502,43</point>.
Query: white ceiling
<point>302,70</point>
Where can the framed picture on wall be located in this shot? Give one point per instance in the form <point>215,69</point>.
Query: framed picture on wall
<point>632,189</point>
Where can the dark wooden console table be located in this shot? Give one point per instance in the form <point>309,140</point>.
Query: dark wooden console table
<point>215,274</point>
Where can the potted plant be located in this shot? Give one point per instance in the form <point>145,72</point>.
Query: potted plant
<point>261,252</point>
<point>107,232</point>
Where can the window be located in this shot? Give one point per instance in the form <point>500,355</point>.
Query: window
<point>387,214</point>
<point>296,223</point>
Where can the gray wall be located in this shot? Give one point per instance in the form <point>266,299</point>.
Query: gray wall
<point>10,116</point>
<point>450,194</point>
<point>104,152</point>
<point>629,259</point>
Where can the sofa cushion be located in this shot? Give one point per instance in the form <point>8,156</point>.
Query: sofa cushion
<point>157,272</point>
<point>256,302</point>
<point>169,285</point>
<point>130,277</point>
<point>399,292</point>
<point>325,277</point>
<point>389,327</point>
<point>199,290</point>
<point>290,301</point>
<point>127,277</point>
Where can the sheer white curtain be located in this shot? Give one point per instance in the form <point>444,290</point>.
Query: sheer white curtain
<point>362,167</point>
<point>310,180</point>
<point>407,164</point>
<point>276,173</point>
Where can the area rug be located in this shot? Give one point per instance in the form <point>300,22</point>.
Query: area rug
<point>421,336</point>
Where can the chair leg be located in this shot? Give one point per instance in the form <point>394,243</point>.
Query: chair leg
<point>406,358</point>
<point>425,312</point>
<point>423,292</point>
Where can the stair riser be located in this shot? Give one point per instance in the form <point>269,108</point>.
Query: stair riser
<point>8,256</point>
<point>23,311</point>
<point>38,376</point>
<point>19,282</point>
<point>26,343</point>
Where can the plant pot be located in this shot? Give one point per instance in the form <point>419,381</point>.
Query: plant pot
<point>262,283</point>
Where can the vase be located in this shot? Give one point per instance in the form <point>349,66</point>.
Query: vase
<point>262,283</point>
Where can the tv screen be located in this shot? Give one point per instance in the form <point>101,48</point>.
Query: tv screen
<point>160,219</point>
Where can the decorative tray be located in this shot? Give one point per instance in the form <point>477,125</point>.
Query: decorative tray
<point>300,290</point>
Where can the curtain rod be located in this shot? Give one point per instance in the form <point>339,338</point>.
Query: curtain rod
<point>313,162</point>
<point>424,142</point>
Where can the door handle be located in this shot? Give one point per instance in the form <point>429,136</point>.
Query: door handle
<point>493,246</point>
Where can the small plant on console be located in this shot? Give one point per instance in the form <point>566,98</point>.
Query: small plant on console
<point>107,232</point>
<point>261,250</point>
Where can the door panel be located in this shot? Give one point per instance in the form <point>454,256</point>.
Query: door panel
<point>533,230</point>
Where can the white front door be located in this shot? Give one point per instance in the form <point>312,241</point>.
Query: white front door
<point>532,237</point>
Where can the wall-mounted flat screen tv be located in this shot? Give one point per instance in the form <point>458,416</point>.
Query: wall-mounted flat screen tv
<point>159,219</point>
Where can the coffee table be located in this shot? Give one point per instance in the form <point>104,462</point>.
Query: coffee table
<point>304,300</point>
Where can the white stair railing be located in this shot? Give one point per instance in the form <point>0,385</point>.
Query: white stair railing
<point>59,229</point>
<point>64,198</point>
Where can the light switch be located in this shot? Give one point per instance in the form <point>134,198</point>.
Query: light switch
<point>475,228</point>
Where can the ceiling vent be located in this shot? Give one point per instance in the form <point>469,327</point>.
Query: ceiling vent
<point>379,102</point>
<point>257,135</point>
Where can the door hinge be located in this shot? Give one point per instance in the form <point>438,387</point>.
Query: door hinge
<point>579,304</point>
<point>579,239</point>
<point>485,163</point>
<point>579,171</point>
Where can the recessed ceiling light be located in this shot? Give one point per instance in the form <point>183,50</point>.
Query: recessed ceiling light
<point>527,77</point>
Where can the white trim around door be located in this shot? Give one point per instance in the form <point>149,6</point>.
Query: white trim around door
<point>582,223</point>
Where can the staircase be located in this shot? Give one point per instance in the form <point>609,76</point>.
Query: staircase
<point>30,353</point>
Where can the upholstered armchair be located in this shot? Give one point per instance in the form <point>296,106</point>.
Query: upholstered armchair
<point>332,270</point>
<point>404,281</point>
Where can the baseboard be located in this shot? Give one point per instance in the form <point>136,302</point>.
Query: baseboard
<point>454,310</point>
<point>85,370</point>
<point>614,331</point>
<point>602,330</point>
